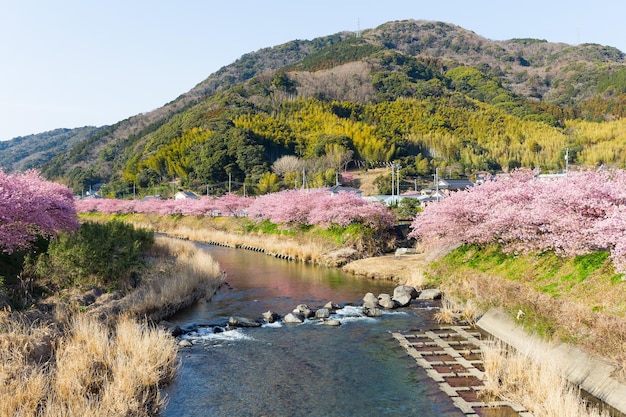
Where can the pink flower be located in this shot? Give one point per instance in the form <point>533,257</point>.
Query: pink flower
<point>31,206</point>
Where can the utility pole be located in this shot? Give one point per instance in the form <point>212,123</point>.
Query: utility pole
<point>398,178</point>
<point>393,181</point>
<point>229,182</point>
<point>437,183</point>
<point>566,160</point>
<point>304,182</point>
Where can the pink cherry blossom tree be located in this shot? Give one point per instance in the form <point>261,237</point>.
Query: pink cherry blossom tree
<point>293,208</point>
<point>31,206</point>
<point>524,212</point>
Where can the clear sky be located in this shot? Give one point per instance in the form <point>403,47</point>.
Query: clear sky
<point>72,63</point>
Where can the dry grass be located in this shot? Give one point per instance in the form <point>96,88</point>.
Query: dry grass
<point>182,273</point>
<point>224,232</point>
<point>229,231</point>
<point>95,370</point>
<point>533,381</point>
<point>452,312</point>
<point>23,381</point>
<point>179,274</point>
<point>100,361</point>
<point>554,319</point>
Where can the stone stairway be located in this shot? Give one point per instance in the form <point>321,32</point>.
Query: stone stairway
<point>451,356</point>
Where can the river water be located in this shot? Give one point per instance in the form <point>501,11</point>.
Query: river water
<point>356,369</point>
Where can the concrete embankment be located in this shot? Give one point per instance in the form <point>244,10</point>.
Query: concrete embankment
<point>591,374</point>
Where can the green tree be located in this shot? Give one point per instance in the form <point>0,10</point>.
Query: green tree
<point>268,183</point>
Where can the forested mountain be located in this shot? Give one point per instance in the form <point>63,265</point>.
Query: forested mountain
<point>425,95</point>
<point>24,152</point>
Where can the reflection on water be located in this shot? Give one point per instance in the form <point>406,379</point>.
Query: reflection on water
<point>356,369</point>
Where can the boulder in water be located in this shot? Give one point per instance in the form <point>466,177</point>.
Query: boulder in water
<point>332,322</point>
<point>370,300</point>
<point>332,306</point>
<point>430,294</point>
<point>242,322</point>
<point>185,343</point>
<point>402,300</point>
<point>270,317</point>
<point>401,290</point>
<point>372,312</point>
<point>305,310</point>
<point>293,318</point>
<point>385,301</point>
<point>322,313</point>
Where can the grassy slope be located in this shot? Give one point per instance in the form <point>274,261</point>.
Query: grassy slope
<point>330,247</point>
<point>580,300</point>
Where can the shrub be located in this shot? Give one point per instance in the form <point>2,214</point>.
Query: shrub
<point>104,254</point>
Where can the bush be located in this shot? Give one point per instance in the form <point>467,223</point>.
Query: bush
<point>100,254</point>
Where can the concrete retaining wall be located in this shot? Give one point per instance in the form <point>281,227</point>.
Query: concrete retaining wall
<point>589,373</point>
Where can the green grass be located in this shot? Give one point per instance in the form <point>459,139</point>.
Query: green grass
<point>267,227</point>
<point>482,259</point>
<point>549,273</point>
<point>586,265</point>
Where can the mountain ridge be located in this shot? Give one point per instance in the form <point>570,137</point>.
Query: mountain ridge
<point>411,58</point>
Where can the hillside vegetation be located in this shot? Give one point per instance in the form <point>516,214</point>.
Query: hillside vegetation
<point>423,94</point>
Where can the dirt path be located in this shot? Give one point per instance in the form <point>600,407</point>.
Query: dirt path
<point>403,269</point>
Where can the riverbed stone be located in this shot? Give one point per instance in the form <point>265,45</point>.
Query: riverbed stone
<point>269,316</point>
<point>305,310</point>
<point>332,322</point>
<point>372,311</point>
<point>172,329</point>
<point>370,300</point>
<point>402,300</point>
<point>293,318</point>
<point>242,322</point>
<point>430,294</point>
<point>332,306</point>
<point>322,313</point>
<point>385,301</point>
<point>405,290</point>
<point>185,343</point>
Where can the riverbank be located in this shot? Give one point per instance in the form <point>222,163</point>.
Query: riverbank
<point>483,289</point>
<point>316,245</point>
<point>97,351</point>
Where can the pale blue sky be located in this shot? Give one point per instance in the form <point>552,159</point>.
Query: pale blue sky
<point>71,63</point>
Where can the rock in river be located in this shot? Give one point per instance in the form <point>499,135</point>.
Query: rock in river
<point>385,301</point>
<point>322,313</point>
<point>306,311</point>
<point>401,290</point>
<point>242,322</point>
<point>370,300</point>
<point>185,343</point>
<point>431,294</point>
<point>372,312</point>
<point>293,318</point>
<point>270,317</point>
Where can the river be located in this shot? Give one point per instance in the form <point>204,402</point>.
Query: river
<point>356,369</point>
